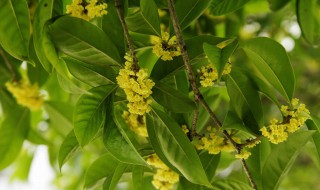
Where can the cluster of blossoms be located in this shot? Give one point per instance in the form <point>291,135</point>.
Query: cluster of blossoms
<point>164,178</point>
<point>87,9</point>
<point>135,122</point>
<point>215,143</point>
<point>137,87</point>
<point>26,94</point>
<point>209,74</point>
<point>293,119</point>
<point>164,47</point>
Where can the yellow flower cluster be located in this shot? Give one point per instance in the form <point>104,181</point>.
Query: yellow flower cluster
<point>165,178</point>
<point>244,154</point>
<point>209,74</point>
<point>135,122</point>
<point>26,94</point>
<point>164,47</point>
<point>137,87</point>
<point>293,119</point>
<point>185,129</point>
<point>214,143</point>
<point>87,10</point>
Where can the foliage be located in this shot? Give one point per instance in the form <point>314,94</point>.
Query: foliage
<point>124,101</point>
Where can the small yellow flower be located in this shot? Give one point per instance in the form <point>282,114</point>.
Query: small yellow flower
<point>253,144</point>
<point>137,87</point>
<point>137,123</point>
<point>164,178</point>
<point>87,10</point>
<point>164,47</point>
<point>26,94</point>
<point>185,129</point>
<point>209,74</point>
<point>244,154</point>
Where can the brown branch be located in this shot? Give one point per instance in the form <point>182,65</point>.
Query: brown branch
<point>126,34</point>
<point>9,65</point>
<point>194,121</point>
<point>197,95</point>
<point>246,169</point>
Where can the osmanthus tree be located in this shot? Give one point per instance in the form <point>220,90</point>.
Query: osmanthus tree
<point>152,94</point>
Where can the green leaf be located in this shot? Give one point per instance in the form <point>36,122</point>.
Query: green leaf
<point>60,114</point>
<point>230,184</point>
<point>15,28</point>
<point>112,180</point>
<point>314,124</point>
<point>14,130</point>
<point>22,166</point>
<point>218,55</point>
<point>67,149</point>
<point>172,99</point>
<point>271,61</point>
<point>92,75</point>
<point>137,177</point>
<point>36,137</point>
<point>282,157</point>
<point>233,121</point>
<point>101,168</point>
<point>244,97</point>
<point>89,115</point>
<point>145,21</point>
<point>111,25</point>
<point>221,7</point>
<point>175,146</point>
<point>118,141</point>
<point>276,5</point>
<point>147,59</point>
<point>45,10</point>
<point>189,11</point>
<point>210,163</point>
<point>73,36</point>
<point>114,141</point>
<point>309,20</point>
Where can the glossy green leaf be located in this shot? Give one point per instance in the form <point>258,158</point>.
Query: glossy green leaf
<point>73,36</point>
<point>281,158</point>
<point>114,141</point>
<point>272,63</point>
<point>244,97</point>
<point>309,19</point>
<point>89,115</point>
<point>94,75</point>
<point>147,59</point>
<point>172,99</point>
<point>220,54</point>
<point>233,121</point>
<point>14,130</point>
<point>188,11</point>
<point>67,149</point>
<point>137,178</point>
<point>45,10</point>
<point>35,137</point>
<point>112,180</point>
<point>60,114</point>
<point>230,184</point>
<point>111,25</point>
<point>314,124</point>
<point>71,85</point>
<point>100,168</point>
<point>175,146</point>
<point>145,21</point>
<point>117,141</point>
<point>15,28</point>
<point>221,7</point>
<point>210,163</point>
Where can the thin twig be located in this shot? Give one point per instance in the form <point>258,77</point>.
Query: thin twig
<point>246,169</point>
<point>126,34</point>
<point>9,65</point>
<point>194,121</point>
<point>249,142</point>
<point>197,95</point>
